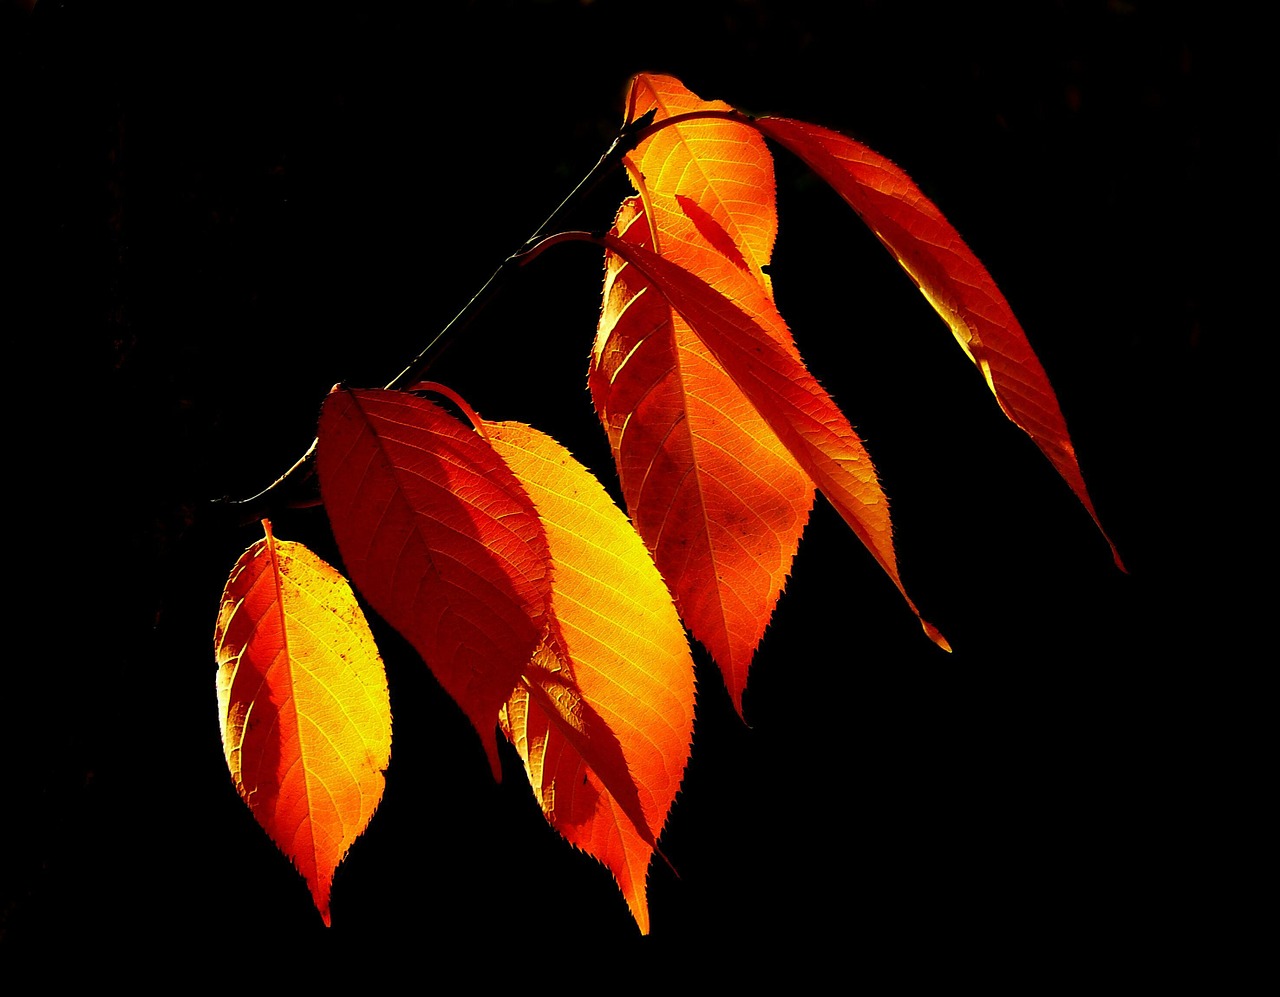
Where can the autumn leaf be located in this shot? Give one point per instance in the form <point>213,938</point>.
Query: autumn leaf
<point>441,539</point>
<point>534,601</point>
<point>302,699</point>
<point>790,399</point>
<point>706,184</point>
<point>718,498</point>
<point>603,715</point>
<point>953,280</point>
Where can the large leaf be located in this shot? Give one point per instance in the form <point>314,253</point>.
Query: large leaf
<point>441,539</point>
<point>302,698</point>
<point>790,399</point>
<point>719,500</point>
<point>603,717</point>
<point>953,280</point>
<point>717,497</point>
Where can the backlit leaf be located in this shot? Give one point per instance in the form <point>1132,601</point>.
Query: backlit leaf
<point>719,500</point>
<point>790,399</point>
<point>603,716</point>
<point>440,538</point>
<point>302,699</point>
<point>953,280</point>
<point>717,497</point>
<point>707,184</point>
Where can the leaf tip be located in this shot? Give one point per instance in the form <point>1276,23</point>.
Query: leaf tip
<point>935,635</point>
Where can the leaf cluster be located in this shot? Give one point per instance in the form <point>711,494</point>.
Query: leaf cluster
<point>543,610</point>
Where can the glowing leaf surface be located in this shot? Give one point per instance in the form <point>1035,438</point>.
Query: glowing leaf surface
<point>603,717</point>
<point>719,500</point>
<point>302,698</point>
<point>953,280</point>
<point>782,390</point>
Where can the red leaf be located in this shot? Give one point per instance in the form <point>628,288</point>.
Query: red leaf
<point>955,283</point>
<point>441,539</point>
<point>302,698</point>
<point>783,391</point>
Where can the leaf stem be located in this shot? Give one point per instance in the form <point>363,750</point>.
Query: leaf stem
<point>623,142</point>
<point>650,129</point>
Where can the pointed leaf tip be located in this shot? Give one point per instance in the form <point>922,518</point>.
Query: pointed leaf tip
<point>719,500</point>
<point>303,705</point>
<point>953,281</point>
<point>603,715</point>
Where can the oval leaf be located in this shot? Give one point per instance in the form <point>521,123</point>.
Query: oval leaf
<point>302,698</point>
<point>603,718</point>
<point>953,280</point>
<point>441,539</point>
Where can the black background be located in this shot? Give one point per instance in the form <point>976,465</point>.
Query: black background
<point>221,210</point>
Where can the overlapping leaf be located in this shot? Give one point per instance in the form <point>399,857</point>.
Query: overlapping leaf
<point>504,563</point>
<point>719,500</point>
<point>441,539</point>
<point>783,391</point>
<point>603,716</point>
<point>707,184</point>
<point>707,190</point>
<point>302,699</point>
<point>952,279</point>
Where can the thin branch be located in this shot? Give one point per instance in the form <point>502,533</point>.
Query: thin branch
<point>628,138</point>
<point>631,135</point>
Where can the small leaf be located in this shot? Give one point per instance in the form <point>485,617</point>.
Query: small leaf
<point>603,717</point>
<point>706,184</point>
<point>953,280</point>
<point>441,539</point>
<point>302,698</point>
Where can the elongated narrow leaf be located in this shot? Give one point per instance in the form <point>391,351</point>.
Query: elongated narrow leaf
<point>302,698</point>
<point>783,391</point>
<point>441,539</point>
<point>718,499</point>
<point>603,717</point>
<point>953,280</point>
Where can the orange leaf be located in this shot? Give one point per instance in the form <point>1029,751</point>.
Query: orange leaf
<point>953,280</point>
<point>719,500</point>
<point>302,697</point>
<point>441,539</point>
<point>790,399</point>
<point>706,184</point>
<point>603,717</point>
<point>717,497</point>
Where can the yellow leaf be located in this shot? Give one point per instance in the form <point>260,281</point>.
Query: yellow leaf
<point>302,698</point>
<point>603,717</point>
